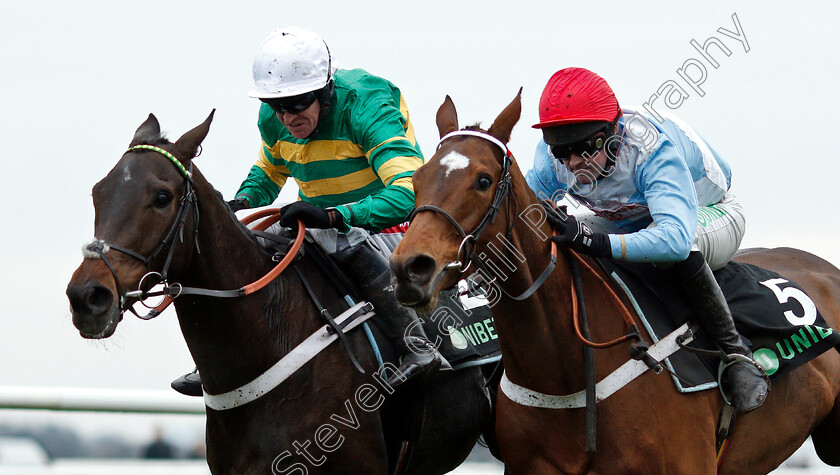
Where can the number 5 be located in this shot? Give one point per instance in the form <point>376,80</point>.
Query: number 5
<point>783,295</point>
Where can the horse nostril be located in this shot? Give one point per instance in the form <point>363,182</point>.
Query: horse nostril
<point>420,269</point>
<point>90,299</point>
<point>99,299</point>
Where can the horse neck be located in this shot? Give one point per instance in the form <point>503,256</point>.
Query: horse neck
<point>232,339</point>
<point>538,338</point>
<point>224,245</point>
<point>537,335</point>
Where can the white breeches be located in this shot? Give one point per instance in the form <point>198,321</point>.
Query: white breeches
<point>720,229</point>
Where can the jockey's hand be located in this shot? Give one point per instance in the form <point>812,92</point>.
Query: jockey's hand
<point>236,205</point>
<point>581,238</point>
<point>311,215</point>
<point>555,215</point>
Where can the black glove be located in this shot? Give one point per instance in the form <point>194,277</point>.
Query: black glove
<point>555,215</point>
<point>236,205</point>
<point>579,237</point>
<point>311,215</point>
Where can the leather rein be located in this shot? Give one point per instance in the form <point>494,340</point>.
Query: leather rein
<point>188,202</point>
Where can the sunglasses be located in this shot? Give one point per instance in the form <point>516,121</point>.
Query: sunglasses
<point>583,148</point>
<point>292,105</point>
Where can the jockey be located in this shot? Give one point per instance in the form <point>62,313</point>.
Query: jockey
<point>345,137</point>
<point>659,194</point>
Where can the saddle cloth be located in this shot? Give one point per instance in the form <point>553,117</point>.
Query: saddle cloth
<point>781,323</point>
<point>461,325</point>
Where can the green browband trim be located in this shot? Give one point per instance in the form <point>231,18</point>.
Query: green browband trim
<point>166,154</point>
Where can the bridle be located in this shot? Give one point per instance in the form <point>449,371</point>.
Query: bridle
<point>171,291</point>
<point>187,202</point>
<point>469,241</point>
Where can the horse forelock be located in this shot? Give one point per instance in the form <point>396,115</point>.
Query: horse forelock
<point>453,160</point>
<point>473,128</point>
<point>158,141</point>
<point>153,137</point>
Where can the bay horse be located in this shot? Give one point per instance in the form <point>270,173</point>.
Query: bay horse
<point>325,418</point>
<point>473,183</point>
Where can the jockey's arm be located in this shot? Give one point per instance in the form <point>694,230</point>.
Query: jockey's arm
<point>393,154</point>
<point>264,181</point>
<point>666,183</point>
<point>389,207</point>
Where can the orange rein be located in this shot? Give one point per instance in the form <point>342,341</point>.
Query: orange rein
<point>628,319</point>
<point>272,215</point>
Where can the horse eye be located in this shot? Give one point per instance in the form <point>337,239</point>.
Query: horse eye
<point>162,199</point>
<point>483,182</point>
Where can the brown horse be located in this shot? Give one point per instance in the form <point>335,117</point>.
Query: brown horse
<point>471,183</point>
<point>327,417</point>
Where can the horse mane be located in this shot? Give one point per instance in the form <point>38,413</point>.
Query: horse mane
<point>230,213</point>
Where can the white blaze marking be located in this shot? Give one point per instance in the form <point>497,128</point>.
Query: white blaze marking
<point>126,175</point>
<point>454,161</point>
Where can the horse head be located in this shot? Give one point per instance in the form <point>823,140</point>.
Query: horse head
<point>470,166</point>
<point>145,208</point>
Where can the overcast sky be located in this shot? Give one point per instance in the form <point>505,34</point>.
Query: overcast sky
<point>79,77</point>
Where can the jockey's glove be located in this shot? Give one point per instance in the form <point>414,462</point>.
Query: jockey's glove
<point>555,215</point>
<point>237,204</point>
<point>581,238</point>
<point>311,215</point>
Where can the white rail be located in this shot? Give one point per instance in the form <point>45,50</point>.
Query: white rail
<point>98,400</point>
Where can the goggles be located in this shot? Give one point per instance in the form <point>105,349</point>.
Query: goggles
<point>294,104</point>
<point>583,148</point>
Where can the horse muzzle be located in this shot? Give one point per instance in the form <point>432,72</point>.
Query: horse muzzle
<point>418,279</point>
<point>94,307</point>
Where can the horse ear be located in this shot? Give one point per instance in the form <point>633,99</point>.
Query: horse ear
<point>447,117</point>
<point>507,119</point>
<point>148,132</point>
<point>188,144</point>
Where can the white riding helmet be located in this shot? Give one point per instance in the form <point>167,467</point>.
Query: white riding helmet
<point>291,61</point>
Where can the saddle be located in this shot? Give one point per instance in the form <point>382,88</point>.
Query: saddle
<point>460,325</point>
<point>781,324</point>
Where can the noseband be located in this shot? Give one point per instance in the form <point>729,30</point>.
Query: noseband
<point>188,201</point>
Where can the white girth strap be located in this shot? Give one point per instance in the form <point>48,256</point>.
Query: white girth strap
<point>287,365</point>
<point>605,388</point>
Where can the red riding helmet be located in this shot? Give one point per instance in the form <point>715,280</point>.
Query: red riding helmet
<point>575,95</point>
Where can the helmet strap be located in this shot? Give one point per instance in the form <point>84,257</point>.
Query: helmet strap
<point>325,94</point>
<point>613,145</point>
<point>324,97</point>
